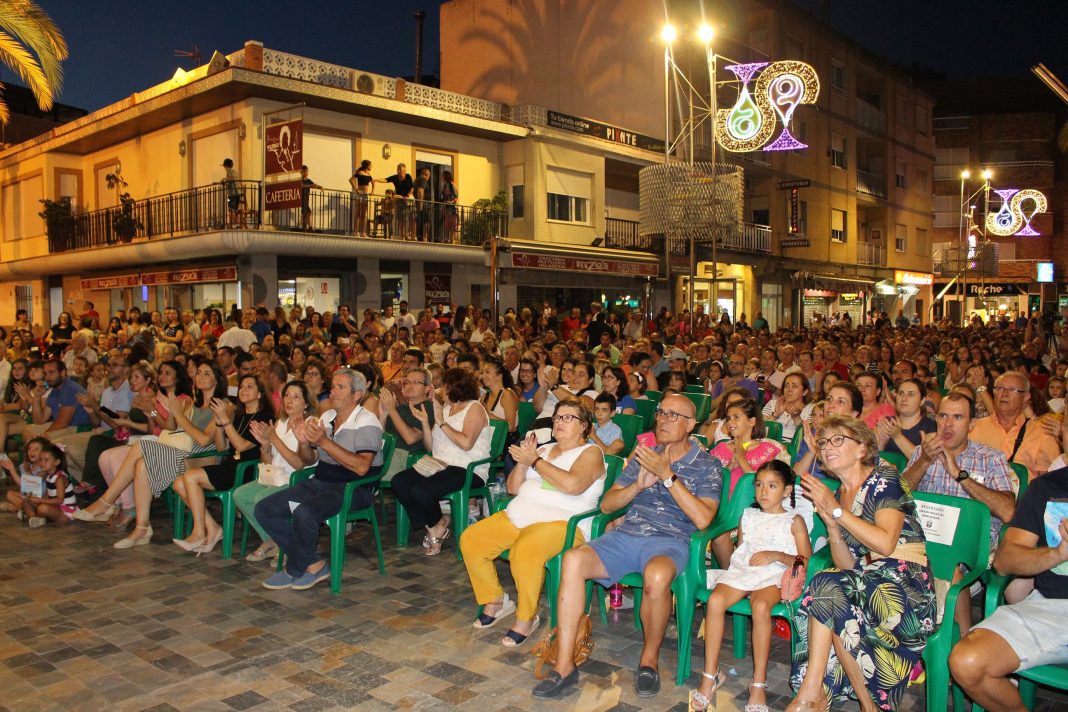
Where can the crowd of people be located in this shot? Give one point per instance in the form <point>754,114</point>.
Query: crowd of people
<point>839,423</point>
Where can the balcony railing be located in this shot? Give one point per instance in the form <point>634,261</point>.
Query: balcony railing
<point>871,255</point>
<point>623,235</point>
<point>950,123</point>
<point>752,238</point>
<point>869,116</point>
<point>871,184</point>
<point>215,207</point>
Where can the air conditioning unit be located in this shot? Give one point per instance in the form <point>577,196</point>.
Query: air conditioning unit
<point>374,84</point>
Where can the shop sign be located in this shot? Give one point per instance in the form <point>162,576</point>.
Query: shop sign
<point>577,124</point>
<point>438,289</point>
<point>113,282</point>
<point>283,145</point>
<point>562,263</point>
<point>280,196</point>
<point>820,293</point>
<point>190,276</point>
<point>855,298</point>
<point>919,279</point>
<point>991,289</point>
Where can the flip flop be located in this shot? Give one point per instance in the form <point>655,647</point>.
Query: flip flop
<point>512,639</point>
<point>488,621</point>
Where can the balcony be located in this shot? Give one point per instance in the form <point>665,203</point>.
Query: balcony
<point>205,209</point>
<point>623,235</point>
<point>952,123</point>
<point>869,116</point>
<point>871,184</point>
<point>752,238</point>
<point>871,255</point>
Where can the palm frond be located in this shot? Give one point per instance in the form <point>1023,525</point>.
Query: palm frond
<point>887,601</point>
<point>891,668</point>
<point>33,47</point>
<point>23,63</point>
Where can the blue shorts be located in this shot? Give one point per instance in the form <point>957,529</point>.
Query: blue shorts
<point>623,553</point>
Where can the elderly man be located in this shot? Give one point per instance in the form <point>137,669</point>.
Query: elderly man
<point>1031,632</point>
<point>416,387</point>
<point>347,442</point>
<point>79,346</point>
<point>671,490</point>
<point>239,336</point>
<point>1026,441</point>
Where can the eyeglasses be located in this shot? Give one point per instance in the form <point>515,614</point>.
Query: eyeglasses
<point>1006,389</point>
<point>834,440</point>
<point>411,383</point>
<point>566,418</point>
<point>671,416</point>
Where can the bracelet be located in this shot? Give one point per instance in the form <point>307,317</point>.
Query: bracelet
<point>534,465</point>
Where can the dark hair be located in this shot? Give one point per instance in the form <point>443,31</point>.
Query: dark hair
<point>265,405</point>
<point>54,450</point>
<point>752,410</point>
<point>785,474</point>
<point>854,394</point>
<point>468,358</point>
<point>721,409</point>
<point>916,382</point>
<point>502,370</point>
<point>414,353</point>
<point>460,385</point>
<point>955,397</point>
<point>183,385</point>
<point>586,413</point>
<point>372,374</point>
<point>606,397</point>
<point>243,357</point>
<point>621,376</point>
<point>221,386</point>
<point>309,403</point>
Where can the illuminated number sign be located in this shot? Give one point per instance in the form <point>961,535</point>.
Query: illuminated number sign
<point>779,90</point>
<point>1014,218</point>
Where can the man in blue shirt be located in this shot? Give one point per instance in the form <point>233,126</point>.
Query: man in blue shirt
<point>56,412</point>
<point>671,490</point>
<point>261,327</point>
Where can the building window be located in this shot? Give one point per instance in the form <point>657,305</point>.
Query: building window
<point>901,237</point>
<point>921,119</point>
<point>517,202</point>
<point>24,299</point>
<point>838,152</point>
<point>568,195</point>
<point>761,217</point>
<point>838,77</point>
<point>515,191</point>
<point>902,170</point>
<point>923,246</point>
<point>838,225</point>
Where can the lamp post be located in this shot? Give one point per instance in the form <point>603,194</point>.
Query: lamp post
<point>966,223</point>
<point>667,35</point>
<point>705,35</point>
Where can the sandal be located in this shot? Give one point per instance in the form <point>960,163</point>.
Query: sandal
<point>84,515</point>
<point>754,707</point>
<point>799,705</point>
<point>485,620</point>
<point>513,639</point>
<point>699,701</point>
<point>263,552</point>
<point>435,543</point>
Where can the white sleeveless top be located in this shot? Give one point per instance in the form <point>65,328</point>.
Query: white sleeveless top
<point>449,452</point>
<point>538,501</point>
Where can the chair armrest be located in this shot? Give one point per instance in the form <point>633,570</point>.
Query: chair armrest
<point>601,521</point>
<point>470,473</point>
<point>242,472</point>
<point>963,585</point>
<point>207,453</point>
<point>572,526</point>
<point>350,489</point>
<point>995,590</point>
<point>300,475</point>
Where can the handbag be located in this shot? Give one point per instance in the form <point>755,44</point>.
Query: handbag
<point>178,439</point>
<point>428,466</point>
<point>793,580</point>
<point>271,475</point>
<point>549,648</point>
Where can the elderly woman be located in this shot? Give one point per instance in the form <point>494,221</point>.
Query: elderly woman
<point>876,607</point>
<point>459,436</point>
<point>552,483</point>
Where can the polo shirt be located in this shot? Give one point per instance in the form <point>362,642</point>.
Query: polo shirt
<point>118,399</point>
<point>1037,450</point>
<point>65,395</point>
<point>360,433</point>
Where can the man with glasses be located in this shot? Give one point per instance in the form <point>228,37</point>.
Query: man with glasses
<point>116,399</point>
<point>416,386</point>
<point>1027,441</point>
<point>735,378</point>
<point>671,490</point>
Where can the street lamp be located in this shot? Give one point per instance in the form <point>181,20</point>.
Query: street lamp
<point>964,246</point>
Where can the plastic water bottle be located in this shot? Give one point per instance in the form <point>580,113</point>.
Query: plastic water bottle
<point>615,596</point>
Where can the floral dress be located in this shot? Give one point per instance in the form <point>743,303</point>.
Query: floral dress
<point>883,611</point>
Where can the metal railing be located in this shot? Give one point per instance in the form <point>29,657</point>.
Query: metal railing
<point>218,207</point>
<point>871,255</point>
<point>871,184</point>
<point>869,116</point>
<point>949,123</point>
<point>623,235</point>
<point>752,238</point>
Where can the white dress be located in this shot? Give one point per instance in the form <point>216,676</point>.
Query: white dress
<point>760,532</point>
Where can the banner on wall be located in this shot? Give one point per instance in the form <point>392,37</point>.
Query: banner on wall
<point>438,289</point>
<point>283,150</point>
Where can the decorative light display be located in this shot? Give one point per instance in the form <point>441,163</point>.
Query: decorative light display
<point>779,90</point>
<point>1013,218</point>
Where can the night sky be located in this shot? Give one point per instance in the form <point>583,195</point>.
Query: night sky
<point>119,47</point>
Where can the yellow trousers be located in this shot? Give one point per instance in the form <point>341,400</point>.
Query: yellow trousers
<point>529,549</point>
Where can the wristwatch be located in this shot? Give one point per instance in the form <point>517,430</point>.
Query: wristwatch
<point>837,513</point>
<point>670,482</point>
<point>981,389</point>
<point>963,475</point>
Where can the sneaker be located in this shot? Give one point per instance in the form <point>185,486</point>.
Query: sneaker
<point>278,580</point>
<point>36,522</point>
<point>307,580</point>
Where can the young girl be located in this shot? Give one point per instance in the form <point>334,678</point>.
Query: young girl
<point>769,538</point>
<point>97,381</point>
<point>58,503</point>
<point>31,454</point>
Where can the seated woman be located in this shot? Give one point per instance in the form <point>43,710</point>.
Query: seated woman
<point>135,425</point>
<point>614,380</point>
<point>461,436</point>
<point>315,378</point>
<point>233,430</point>
<point>904,433</point>
<point>876,607</point>
<point>747,449</point>
<point>552,483</point>
<point>792,407</point>
<point>280,448</point>
<point>151,466</point>
<point>576,380</point>
<point>876,407</point>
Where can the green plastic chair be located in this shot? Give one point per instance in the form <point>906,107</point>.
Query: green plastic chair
<point>631,425</point>
<point>774,429</point>
<point>899,461</point>
<point>525,415</point>
<point>458,499</point>
<point>229,513</point>
<point>613,468</point>
<point>174,503</point>
<point>1055,676</point>
<point>971,547</point>
<point>795,444</point>
<point>701,439</point>
<point>337,522</point>
<point>647,410</point>
<point>655,396</point>
<point>1022,476</point>
<point>703,403</point>
<point>694,388</point>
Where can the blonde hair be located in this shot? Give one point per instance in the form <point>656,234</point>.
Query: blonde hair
<point>855,429</point>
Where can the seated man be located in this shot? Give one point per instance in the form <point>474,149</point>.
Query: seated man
<point>396,416</point>
<point>56,412</point>
<point>672,491</point>
<point>347,440</point>
<point>1032,632</point>
<point>1029,442</point>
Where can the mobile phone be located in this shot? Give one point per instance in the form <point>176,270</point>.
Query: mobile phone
<point>109,412</point>
<point>647,439</point>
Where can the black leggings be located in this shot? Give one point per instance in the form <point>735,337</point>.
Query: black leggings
<point>420,495</point>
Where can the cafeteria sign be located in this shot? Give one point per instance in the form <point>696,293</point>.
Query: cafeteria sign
<point>918,279</point>
<point>283,148</point>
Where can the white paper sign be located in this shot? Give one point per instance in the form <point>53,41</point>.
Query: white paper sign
<point>939,521</point>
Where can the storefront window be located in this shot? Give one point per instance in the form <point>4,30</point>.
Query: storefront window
<point>323,293</point>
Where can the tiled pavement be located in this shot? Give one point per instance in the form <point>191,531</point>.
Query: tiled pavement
<point>86,627</point>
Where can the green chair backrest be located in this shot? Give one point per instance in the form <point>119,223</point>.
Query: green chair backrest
<point>819,529</point>
<point>613,465</point>
<point>795,444</point>
<point>899,461</point>
<point>729,514</point>
<point>654,396</point>
<point>631,425</point>
<point>1021,475</point>
<point>968,542</point>
<point>524,416</point>
<point>774,428</point>
<point>694,388</point>
<point>500,436</point>
<point>703,403</point>
<point>389,446</point>
<point>647,410</point>
<point>701,439</point>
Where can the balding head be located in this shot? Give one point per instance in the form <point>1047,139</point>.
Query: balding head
<point>669,432</point>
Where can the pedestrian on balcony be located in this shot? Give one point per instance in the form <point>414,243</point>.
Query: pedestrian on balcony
<point>234,198</point>
<point>403,187</point>
<point>306,184</point>
<point>364,184</point>
<point>423,194</point>
<point>449,196</point>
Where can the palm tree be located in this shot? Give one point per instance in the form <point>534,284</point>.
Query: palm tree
<point>33,47</point>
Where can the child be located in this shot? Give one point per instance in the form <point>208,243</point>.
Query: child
<point>30,455</point>
<point>769,538</point>
<point>606,435</point>
<point>385,213</point>
<point>97,382</point>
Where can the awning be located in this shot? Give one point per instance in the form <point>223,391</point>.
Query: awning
<point>831,282</point>
<point>560,257</point>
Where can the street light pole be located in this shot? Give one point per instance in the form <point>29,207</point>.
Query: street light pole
<point>667,34</point>
<point>962,250</point>
<point>705,34</point>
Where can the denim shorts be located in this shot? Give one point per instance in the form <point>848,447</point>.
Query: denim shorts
<point>623,553</point>
<point>1034,628</point>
